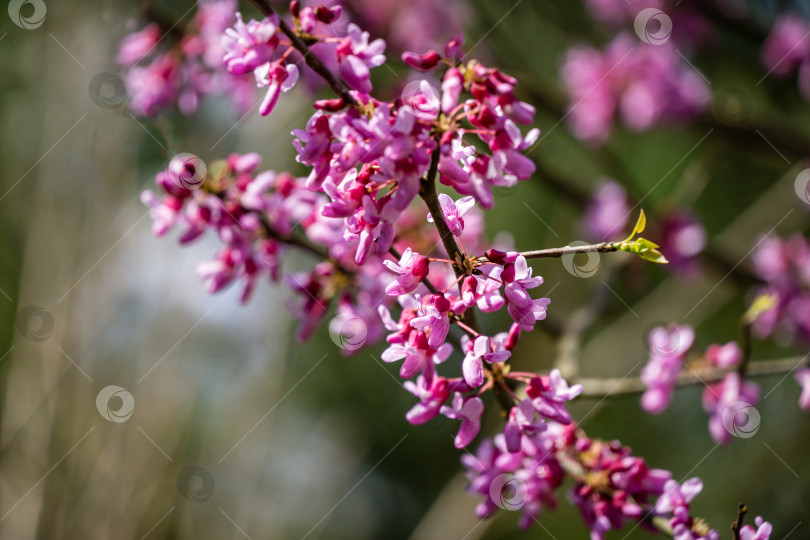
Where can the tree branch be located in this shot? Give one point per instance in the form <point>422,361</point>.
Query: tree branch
<point>599,388</point>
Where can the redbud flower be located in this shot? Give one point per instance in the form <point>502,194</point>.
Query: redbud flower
<point>608,211</point>
<point>422,62</point>
<point>433,318</point>
<point>787,45</point>
<point>469,411</point>
<point>724,356</point>
<point>728,403</point>
<point>278,79</point>
<point>803,378</point>
<point>549,394</point>
<point>432,396</point>
<point>248,46</point>
<point>452,85</point>
<point>762,532</point>
<point>476,351</point>
<point>134,47</point>
<point>517,278</point>
<point>356,55</point>
<point>521,421</point>
<point>668,348</point>
<point>453,212</point>
<point>412,267</point>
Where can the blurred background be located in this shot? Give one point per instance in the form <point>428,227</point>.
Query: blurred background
<point>238,430</point>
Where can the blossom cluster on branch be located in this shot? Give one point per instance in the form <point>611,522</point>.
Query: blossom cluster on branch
<point>399,261</point>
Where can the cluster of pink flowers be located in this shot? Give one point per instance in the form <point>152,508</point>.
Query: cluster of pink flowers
<point>784,266</point>
<point>612,487</point>
<point>728,402</point>
<point>169,72</point>
<point>368,160</point>
<point>644,84</point>
<point>668,349</point>
<point>787,50</point>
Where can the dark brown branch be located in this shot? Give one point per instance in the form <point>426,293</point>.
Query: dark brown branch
<point>427,191</point>
<point>736,527</point>
<point>337,84</point>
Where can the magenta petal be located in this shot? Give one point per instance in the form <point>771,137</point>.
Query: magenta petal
<point>473,370</point>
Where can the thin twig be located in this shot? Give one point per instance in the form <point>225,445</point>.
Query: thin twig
<point>599,387</point>
<point>736,527</point>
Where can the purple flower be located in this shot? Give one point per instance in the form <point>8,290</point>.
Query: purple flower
<point>453,212</point>
<point>724,356</point>
<point>730,404</point>
<point>477,351</point>
<point>607,214</point>
<point>549,394</point>
<point>644,85</point>
<point>684,238</point>
<point>134,47</point>
<point>432,396</point>
<point>278,79</point>
<point>762,532</point>
<point>521,421</point>
<point>469,411</point>
<point>433,318</point>
<point>677,495</point>
<point>356,55</point>
<point>668,348</point>
<point>517,278</point>
<point>787,46</point>
<point>412,268</point>
<point>248,46</point>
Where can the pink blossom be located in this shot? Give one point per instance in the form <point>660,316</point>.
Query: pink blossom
<point>453,212</point>
<point>476,351</point>
<point>729,404</point>
<point>525,311</point>
<point>248,46</point>
<point>134,47</point>
<point>608,211</point>
<point>432,396</point>
<point>469,411</point>
<point>724,356</point>
<point>762,532</point>
<point>412,269</point>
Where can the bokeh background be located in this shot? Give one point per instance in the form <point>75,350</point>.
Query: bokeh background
<point>240,431</point>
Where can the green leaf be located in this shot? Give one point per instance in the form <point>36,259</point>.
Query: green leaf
<point>644,248</point>
<point>639,228</point>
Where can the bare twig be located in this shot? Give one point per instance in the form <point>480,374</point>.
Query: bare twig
<point>599,387</point>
